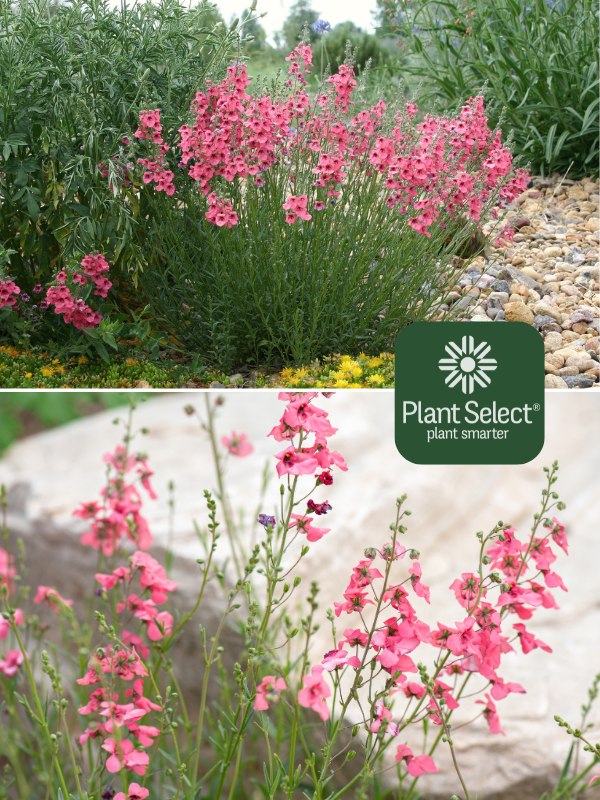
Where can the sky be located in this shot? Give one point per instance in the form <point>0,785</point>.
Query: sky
<point>334,11</point>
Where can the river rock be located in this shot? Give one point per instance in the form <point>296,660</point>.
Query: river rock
<point>518,312</point>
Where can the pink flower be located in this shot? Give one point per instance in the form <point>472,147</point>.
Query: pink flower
<point>51,598</point>
<point>303,524</point>
<point>134,792</point>
<point>355,601</point>
<point>335,659</point>
<point>153,577</point>
<point>491,715</point>
<point>528,640</point>
<point>294,463</point>
<point>159,626</point>
<point>9,665</point>
<point>502,689</point>
<point>415,765</point>
<point>221,213</point>
<point>557,532</point>
<point>237,444</point>
<point>355,637</point>
<point>296,208</point>
<point>123,755</point>
<point>315,692</point>
<point>419,588</point>
<point>120,574</point>
<point>466,589</point>
<point>7,570</point>
<point>9,292</point>
<point>267,692</point>
<point>383,717</point>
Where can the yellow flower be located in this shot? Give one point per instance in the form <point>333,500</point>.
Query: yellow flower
<point>375,362</point>
<point>10,351</point>
<point>131,362</point>
<point>301,373</point>
<point>341,384</point>
<point>82,360</point>
<point>377,379</point>
<point>356,371</point>
<point>286,374</point>
<point>29,374</point>
<point>47,372</point>
<point>55,361</point>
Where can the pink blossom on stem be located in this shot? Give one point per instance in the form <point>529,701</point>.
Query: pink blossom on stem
<point>415,765</point>
<point>51,598</point>
<point>134,792</point>
<point>9,665</point>
<point>296,208</point>
<point>123,755</point>
<point>303,524</point>
<point>267,692</point>
<point>237,444</point>
<point>491,715</point>
<point>315,692</point>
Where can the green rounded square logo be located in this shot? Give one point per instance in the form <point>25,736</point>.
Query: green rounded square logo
<point>469,393</point>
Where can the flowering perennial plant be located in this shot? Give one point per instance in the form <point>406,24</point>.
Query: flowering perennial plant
<point>65,296</point>
<point>450,165</point>
<point>302,206</point>
<point>143,731</point>
<point>118,516</point>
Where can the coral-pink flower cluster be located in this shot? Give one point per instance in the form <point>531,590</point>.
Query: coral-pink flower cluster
<point>117,704</point>
<point>306,429</point>
<point>63,298</point>
<point>118,515</point>
<point>155,588</point>
<point>473,646</point>
<point>449,167</point>
<point>156,171</point>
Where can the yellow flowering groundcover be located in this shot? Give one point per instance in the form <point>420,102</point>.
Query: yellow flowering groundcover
<point>343,372</point>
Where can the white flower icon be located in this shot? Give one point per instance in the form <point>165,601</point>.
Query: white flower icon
<point>467,365</point>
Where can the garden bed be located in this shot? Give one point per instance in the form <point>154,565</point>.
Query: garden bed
<point>547,277</point>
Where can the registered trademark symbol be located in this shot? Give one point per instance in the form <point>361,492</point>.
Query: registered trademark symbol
<point>536,406</point>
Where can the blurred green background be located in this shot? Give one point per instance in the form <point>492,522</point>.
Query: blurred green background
<point>26,413</point>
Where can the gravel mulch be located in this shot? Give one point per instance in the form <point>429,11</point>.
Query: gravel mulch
<point>547,277</point>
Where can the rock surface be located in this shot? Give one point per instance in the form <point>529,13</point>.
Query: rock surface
<point>547,276</point>
<point>49,474</point>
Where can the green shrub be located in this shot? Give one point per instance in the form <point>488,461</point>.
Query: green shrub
<point>536,61</point>
<point>74,77</point>
<point>365,47</point>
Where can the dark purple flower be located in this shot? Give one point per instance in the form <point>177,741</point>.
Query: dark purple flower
<point>318,508</point>
<point>266,520</point>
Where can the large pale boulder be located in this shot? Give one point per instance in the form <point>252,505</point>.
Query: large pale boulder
<point>50,474</point>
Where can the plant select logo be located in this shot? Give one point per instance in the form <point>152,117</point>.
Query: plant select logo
<point>468,393</point>
<point>467,364</point>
